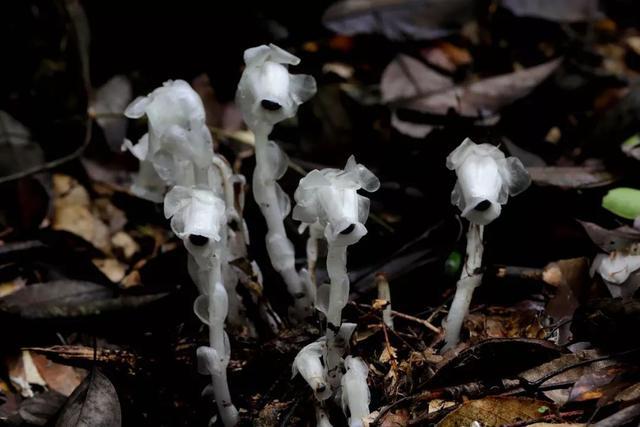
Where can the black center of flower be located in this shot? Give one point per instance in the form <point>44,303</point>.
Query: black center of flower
<point>198,240</point>
<point>270,105</point>
<point>483,206</point>
<point>348,230</point>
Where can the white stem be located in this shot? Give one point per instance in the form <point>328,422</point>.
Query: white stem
<point>217,339</point>
<point>384,293</point>
<point>279,247</point>
<point>338,296</point>
<point>469,280</point>
<point>315,234</point>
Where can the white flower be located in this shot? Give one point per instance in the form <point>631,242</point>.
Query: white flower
<point>267,93</point>
<point>198,218</point>
<point>308,363</point>
<point>486,179</point>
<point>355,392</point>
<point>178,136</point>
<point>330,196</point>
<point>617,270</point>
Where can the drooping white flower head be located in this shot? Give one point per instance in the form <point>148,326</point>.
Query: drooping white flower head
<point>178,136</point>
<point>355,392</point>
<point>308,363</point>
<point>618,270</point>
<point>486,179</point>
<point>198,218</point>
<point>330,196</point>
<point>267,93</point>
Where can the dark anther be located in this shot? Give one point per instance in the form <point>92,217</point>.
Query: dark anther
<point>234,225</point>
<point>321,388</point>
<point>299,295</point>
<point>348,230</point>
<point>270,105</point>
<point>198,240</point>
<point>483,206</point>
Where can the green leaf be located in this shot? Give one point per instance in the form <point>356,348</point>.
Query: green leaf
<point>624,202</point>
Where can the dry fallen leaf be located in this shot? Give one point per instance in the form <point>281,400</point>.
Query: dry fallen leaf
<point>495,411</point>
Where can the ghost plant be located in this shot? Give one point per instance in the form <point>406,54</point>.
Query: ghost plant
<point>179,149</point>
<point>268,94</point>
<point>486,179</point>
<point>178,144</point>
<point>308,363</point>
<point>330,198</point>
<point>619,271</point>
<point>355,392</point>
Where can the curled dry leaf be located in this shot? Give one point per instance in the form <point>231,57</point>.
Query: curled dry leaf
<point>611,240</point>
<point>93,403</point>
<point>432,94</point>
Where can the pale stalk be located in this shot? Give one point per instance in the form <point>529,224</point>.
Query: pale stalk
<point>470,279</point>
<point>284,261</point>
<point>384,293</point>
<point>338,295</point>
<point>217,338</point>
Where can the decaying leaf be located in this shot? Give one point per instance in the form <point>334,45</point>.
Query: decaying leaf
<point>561,11</point>
<point>38,410</point>
<point>571,177</point>
<point>501,322</point>
<point>493,358</point>
<point>94,403</point>
<point>611,240</point>
<point>561,395</point>
<point>68,299</point>
<point>398,19</point>
<point>479,100</point>
<point>495,411</point>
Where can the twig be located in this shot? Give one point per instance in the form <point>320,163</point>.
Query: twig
<point>423,322</point>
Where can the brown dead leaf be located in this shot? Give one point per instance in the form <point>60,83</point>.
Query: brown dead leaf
<point>397,418</point>
<point>23,373</point>
<point>388,354</point>
<point>573,177</point>
<point>436,405</point>
<point>7,288</point>
<point>112,268</point>
<point>72,212</point>
<point>561,395</point>
<point>502,322</point>
<point>61,378</point>
<point>571,278</point>
<point>629,394</point>
<point>495,411</point>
